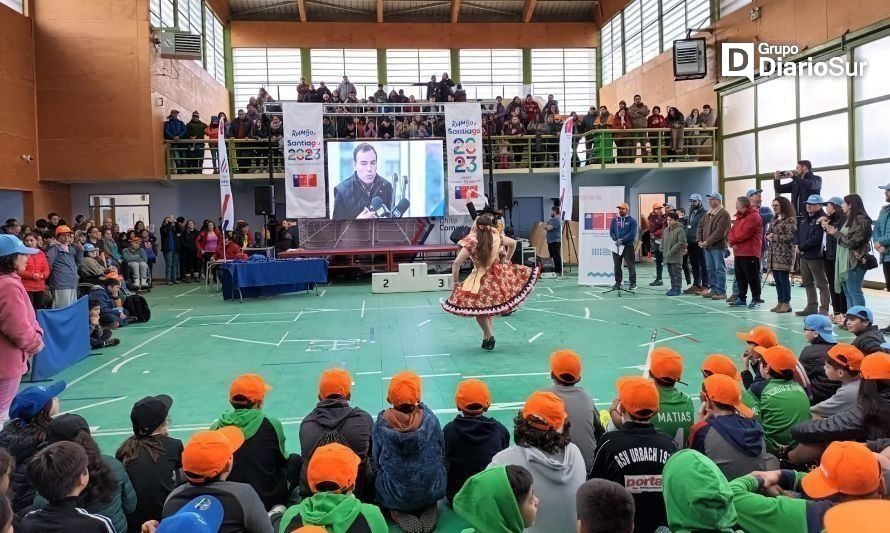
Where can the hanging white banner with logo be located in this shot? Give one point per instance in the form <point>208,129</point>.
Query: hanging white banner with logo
<point>463,148</point>
<point>226,200</point>
<point>596,209</point>
<point>303,160</point>
<point>565,169</point>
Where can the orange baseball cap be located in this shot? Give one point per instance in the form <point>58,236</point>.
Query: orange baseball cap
<point>335,463</point>
<point>545,411</point>
<point>334,382</point>
<point>778,357</point>
<point>208,452</point>
<point>566,365</point>
<point>761,336</point>
<point>847,468</point>
<point>622,205</point>
<point>723,389</point>
<point>404,388</point>
<point>638,396</point>
<point>720,364</point>
<point>472,396</point>
<point>666,364</point>
<point>63,229</point>
<point>310,529</point>
<point>876,366</point>
<point>858,516</point>
<point>251,386</point>
<point>847,356</point>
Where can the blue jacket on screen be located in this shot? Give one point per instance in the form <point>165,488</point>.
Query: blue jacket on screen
<point>623,229</point>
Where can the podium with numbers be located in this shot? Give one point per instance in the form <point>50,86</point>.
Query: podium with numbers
<point>411,277</point>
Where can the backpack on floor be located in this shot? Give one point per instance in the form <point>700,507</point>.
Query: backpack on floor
<point>137,307</point>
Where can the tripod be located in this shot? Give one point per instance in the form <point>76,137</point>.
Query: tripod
<point>568,236</point>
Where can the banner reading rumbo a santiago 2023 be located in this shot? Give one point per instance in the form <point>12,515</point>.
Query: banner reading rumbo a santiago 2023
<point>463,148</point>
<point>304,160</point>
<point>596,209</point>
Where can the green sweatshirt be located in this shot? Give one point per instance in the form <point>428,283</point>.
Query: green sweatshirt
<point>487,502</point>
<point>336,512</point>
<point>249,420</point>
<point>697,496</point>
<point>767,514</point>
<point>779,405</point>
<point>675,414</point>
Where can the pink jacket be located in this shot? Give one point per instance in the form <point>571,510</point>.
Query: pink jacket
<point>20,335</point>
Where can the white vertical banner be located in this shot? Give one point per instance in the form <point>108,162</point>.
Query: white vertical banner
<point>597,207</point>
<point>566,200</point>
<point>303,160</point>
<point>463,148</point>
<point>226,200</point>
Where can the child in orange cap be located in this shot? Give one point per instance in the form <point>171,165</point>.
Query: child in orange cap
<point>726,431</point>
<point>565,371</point>
<point>842,363</point>
<point>758,336</point>
<point>778,401</point>
<point>634,455</point>
<point>207,462</point>
<point>335,420</point>
<point>849,471</point>
<point>332,473</point>
<point>717,363</point>
<point>409,449</point>
<point>543,447</point>
<point>262,461</point>
<point>472,438</point>
<point>675,411</point>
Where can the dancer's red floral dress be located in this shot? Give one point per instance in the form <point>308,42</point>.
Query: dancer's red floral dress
<point>492,289</point>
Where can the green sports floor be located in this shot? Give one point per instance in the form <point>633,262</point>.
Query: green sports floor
<point>196,343</point>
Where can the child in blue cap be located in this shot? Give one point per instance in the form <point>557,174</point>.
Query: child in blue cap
<point>819,332</point>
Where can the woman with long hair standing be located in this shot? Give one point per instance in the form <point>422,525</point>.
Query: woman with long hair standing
<point>20,335</point>
<point>780,257</point>
<point>495,286</point>
<point>853,242</point>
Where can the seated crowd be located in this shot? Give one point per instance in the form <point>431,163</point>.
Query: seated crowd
<point>787,443</point>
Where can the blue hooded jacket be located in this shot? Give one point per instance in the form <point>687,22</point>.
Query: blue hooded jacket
<point>412,469</point>
<point>623,229</point>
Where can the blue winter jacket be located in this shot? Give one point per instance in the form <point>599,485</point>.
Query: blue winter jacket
<point>411,464</point>
<point>808,237</point>
<point>174,128</point>
<point>693,220</point>
<point>881,232</point>
<point>623,229</point>
<point>62,267</point>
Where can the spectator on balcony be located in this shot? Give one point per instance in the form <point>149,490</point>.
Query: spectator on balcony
<point>531,109</point>
<point>552,104</point>
<point>312,95</point>
<point>240,129</point>
<point>445,88</point>
<point>344,89</point>
<point>387,130</point>
<point>323,90</point>
<point>276,130</point>
<point>328,128</point>
<point>263,98</point>
<point>252,113</point>
<point>625,146</point>
<point>401,128</point>
<point>638,112</point>
<point>432,89</point>
<point>655,120</point>
<point>380,94</point>
<point>212,133</point>
<point>515,129</point>
<point>693,119</point>
<point>413,109</point>
<point>258,149</point>
<point>174,130</point>
<point>460,95</point>
<point>538,149</point>
<point>195,130</point>
<point>676,122</point>
<point>370,129</point>
<point>303,90</point>
<point>514,109</point>
<point>602,141</point>
<point>439,127</point>
<point>707,118</point>
<point>351,132</point>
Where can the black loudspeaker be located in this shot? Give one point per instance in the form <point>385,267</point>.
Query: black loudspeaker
<point>504,195</point>
<point>459,233</point>
<point>264,200</point>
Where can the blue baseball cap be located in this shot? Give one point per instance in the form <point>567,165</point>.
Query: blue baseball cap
<point>716,195</point>
<point>815,199</point>
<point>860,311</point>
<point>10,244</point>
<point>204,514</point>
<point>836,200</point>
<point>88,247</point>
<point>885,187</point>
<point>822,325</point>
<point>32,400</point>
<point>695,196</point>
<point>752,192</point>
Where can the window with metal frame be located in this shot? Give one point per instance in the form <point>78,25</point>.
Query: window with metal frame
<point>569,74</point>
<point>162,13</point>
<point>214,54</point>
<point>486,74</point>
<point>276,69</point>
<point>633,36</point>
<point>17,5</point>
<point>611,44</point>
<point>360,65</point>
<point>407,67</point>
<point>731,6</point>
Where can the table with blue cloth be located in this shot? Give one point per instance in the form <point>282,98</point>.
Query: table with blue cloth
<point>248,279</point>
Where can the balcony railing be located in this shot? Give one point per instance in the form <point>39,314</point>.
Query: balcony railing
<point>599,148</point>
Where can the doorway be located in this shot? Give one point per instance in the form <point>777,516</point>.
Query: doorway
<point>526,211</point>
<point>648,200</point>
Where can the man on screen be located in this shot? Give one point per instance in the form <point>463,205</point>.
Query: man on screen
<point>353,196</point>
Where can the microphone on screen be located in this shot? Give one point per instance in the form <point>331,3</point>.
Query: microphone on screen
<point>399,210</point>
<point>379,208</point>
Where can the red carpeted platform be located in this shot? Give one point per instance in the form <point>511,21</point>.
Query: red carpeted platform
<point>379,257</point>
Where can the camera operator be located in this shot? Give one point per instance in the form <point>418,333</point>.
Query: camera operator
<point>803,184</point>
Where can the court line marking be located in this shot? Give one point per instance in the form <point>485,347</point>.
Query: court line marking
<point>298,316</point>
<point>387,378</point>
<point>636,310</point>
<point>244,340</point>
<point>97,404</point>
<point>483,376</point>
<point>128,352</point>
<point>368,373</point>
<point>322,293</point>
<point>186,292</point>
<point>595,295</point>
<point>696,304</point>
<point>286,333</point>
<point>363,309</point>
<point>323,340</point>
<point>427,355</point>
<point>557,298</point>
<point>424,323</point>
<point>125,361</point>
<point>509,325</point>
<point>563,314</point>
<point>549,290</point>
<point>233,318</point>
<point>536,337</point>
<point>651,344</point>
<point>586,312</point>
<point>182,313</point>
<point>665,339</point>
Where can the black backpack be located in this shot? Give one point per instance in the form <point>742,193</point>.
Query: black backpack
<point>137,307</point>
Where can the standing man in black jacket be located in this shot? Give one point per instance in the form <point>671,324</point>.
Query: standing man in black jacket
<point>808,243</point>
<point>803,184</point>
<point>693,250</point>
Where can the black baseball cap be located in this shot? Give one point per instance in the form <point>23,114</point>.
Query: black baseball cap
<point>149,413</point>
<point>66,427</point>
